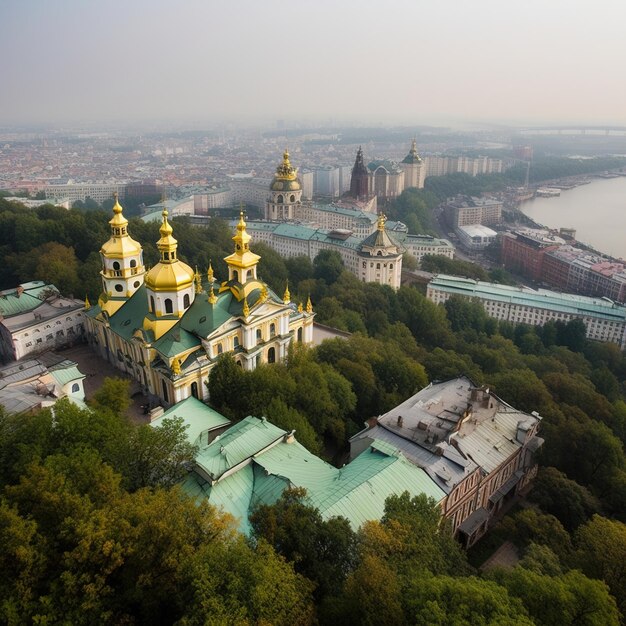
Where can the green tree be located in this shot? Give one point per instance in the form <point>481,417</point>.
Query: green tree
<point>600,552</point>
<point>327,265</point>
<point>156,456</point>
<point>114,395</point>
<point>322,550</point>
<point>571,503</point>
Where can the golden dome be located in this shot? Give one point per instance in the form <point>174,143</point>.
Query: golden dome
<point>285,178</point>
<point>121,244</point>
<point>169,274</point>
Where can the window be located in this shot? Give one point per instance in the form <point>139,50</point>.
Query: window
<point>194,390</point>
<point>272,330</point>
<point>119,288</point>
<point>236,343</point>
<point>116,265</point>
<point>292,198</point>
<point>168,306</point>
<point>300,334</point>
<point>133,263</point>
<point>75,387</point>
<point>151,304</point>
<point>186,300</point>
<point>280,199</point>
<point>219,348</point>
<point>259,336</point>
<point>136,284</point>
<point>271,355</point>
<point>165,394</point>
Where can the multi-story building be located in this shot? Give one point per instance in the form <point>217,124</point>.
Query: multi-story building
<point>99,192</point>
<point>360,178</point>
<point>167,327</point>
<point>604,320</point>
<point>523,251</point>
<point>442,165</point>
<point>465,210</point>
<point>421,245</point>
<point>377,258</point>
<point>474,446</point>
<point>386,179</point>
<point>34,318</point>
<point>476,237</point>
<point>414,169</point>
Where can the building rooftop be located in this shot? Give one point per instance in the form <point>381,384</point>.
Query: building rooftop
<point>253,462</point>
<point>197,416</point>
<point>452,428</point>
<point>477,230</point>
<point>572,304</point>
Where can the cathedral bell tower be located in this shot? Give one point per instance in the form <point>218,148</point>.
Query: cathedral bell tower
<point>122,264</point>
<point>360,180</point>
<point>169,285</point>
<point>285,193</point>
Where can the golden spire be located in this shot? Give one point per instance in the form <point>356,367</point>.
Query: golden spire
<point>246,308</point>
<point>209,273</point>
<point>118,220</point>
<point>176,367</point>
<point>300,309</point>
<point>382,218</point>
<point>87,304</point>
<point>167,244</point>
<point>198,281</point>
<point>241,239</point>
<point>309,306</point>
<point>286,295</point>
<point>212,296</point>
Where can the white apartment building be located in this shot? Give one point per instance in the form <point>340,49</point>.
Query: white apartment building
<point>604,320</point>
<point>34,317</point>
<point>99,192</point>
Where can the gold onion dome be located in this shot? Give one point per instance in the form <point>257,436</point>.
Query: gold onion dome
<point>285,178</point>
<point>169,274</point>
<point>121,244</point>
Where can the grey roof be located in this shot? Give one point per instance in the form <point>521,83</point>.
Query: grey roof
<point>452,428</point>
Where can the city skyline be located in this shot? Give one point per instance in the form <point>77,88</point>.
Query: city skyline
<point>404,62</point>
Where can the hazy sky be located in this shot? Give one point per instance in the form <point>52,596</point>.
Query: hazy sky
<point>406,61</point>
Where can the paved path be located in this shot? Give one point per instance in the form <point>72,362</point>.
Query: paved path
<point>96,369</point>
<point>505,556</point>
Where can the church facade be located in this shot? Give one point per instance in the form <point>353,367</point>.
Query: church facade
<point>167,327</point>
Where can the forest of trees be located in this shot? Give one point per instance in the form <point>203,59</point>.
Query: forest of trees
<point>94,530</point>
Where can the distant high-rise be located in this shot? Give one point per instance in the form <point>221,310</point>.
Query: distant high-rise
<point>359,183</point>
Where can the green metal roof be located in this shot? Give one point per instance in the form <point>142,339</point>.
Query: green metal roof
<point>13,304</point>
<point>198,418</point>
<point>238,443</point>
<point>357,491</point>
<point>66,375</point>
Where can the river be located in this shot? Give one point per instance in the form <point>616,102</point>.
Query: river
<point>597,211</point>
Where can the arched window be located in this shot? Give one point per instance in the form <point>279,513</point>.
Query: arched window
<point>151,304</point>
<point>194,390</point>
<point>272,330</point>
<point>259,336</point>
<point>116,265</point>
<point>300,334</point>
<point>280,199</point>
<point>168,306</point>
<point>133,263</point>
<point>271,355</point>
<point>236,343</point>
<point>186,300</point>
<point>292,198</point>
<point>377,266</point>
<point>239,363</point>
<point>165,394</point>
<point>75,387</point>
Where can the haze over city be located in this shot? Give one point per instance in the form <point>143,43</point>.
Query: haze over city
<point>402,61</point>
